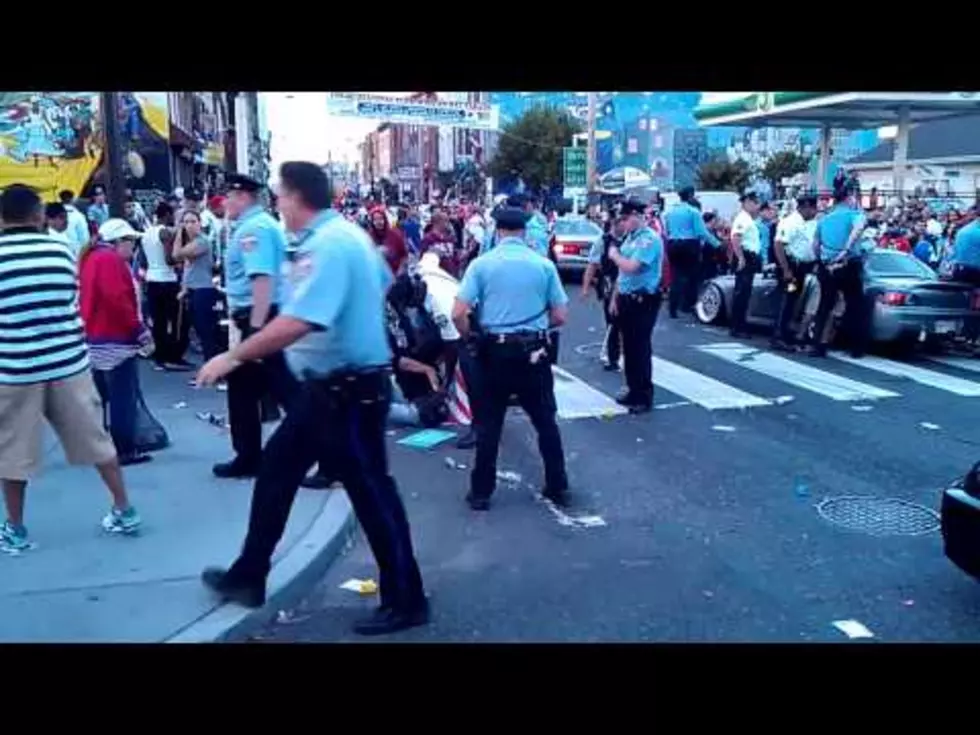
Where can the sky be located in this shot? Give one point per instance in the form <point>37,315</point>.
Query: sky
<point>302,130</point>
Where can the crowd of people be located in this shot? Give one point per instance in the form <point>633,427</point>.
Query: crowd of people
<point>115,290</point>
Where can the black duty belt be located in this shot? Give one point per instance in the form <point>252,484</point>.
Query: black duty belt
<point>517,338</point>
<point>636,295</point>
<point>683,241</point>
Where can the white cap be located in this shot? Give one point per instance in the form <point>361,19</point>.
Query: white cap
<point>933,228</point>
<point>116,229</point>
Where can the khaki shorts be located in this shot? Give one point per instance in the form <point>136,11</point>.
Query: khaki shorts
<point>73,408</point>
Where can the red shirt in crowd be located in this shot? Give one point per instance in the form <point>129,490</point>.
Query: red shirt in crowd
<point>107,298</point>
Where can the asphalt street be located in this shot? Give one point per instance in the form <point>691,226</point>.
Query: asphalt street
<point>761,501</point>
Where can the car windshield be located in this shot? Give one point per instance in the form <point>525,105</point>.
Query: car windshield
<point>893,263</point>
<point>577,228</point>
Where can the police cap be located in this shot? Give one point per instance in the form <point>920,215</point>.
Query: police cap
<point>241,182</point>
<point>515,200</point>
<point>750,195</point>
<point>632,206</point>
<point>510,218</point>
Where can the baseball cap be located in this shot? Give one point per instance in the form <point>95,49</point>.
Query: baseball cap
<point>117,229</point>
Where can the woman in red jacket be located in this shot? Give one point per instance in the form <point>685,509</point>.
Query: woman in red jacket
<point>390,241</point>
<point>115,331</point>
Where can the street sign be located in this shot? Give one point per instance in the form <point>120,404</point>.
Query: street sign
<point>575,171</point>
<point>414,112</point>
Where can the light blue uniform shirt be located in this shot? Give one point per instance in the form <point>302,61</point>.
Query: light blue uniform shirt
<point>257,247</point>
<point>596,249</point>
<point>339,280</point>
<point>765,240</point>
<point>488,238</point>
<point>644,245</point>
<point>966,246</point>
<point>514,288</point>
<point>536,233</point>
<point>685,222</point>
<point>834,229</point>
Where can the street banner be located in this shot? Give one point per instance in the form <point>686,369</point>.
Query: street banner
<point>413,112</point>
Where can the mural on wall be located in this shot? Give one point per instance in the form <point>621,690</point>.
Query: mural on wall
<point>52,140</point>
<point>652,131</point>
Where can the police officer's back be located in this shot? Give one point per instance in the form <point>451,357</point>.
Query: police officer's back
<point>334,327</point>
<point>519,295</point>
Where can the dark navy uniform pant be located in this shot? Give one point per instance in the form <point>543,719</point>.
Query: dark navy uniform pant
<point>247,387</point>
<point>742,295</point>
<point>637,317</point>
<point>788,300</point>
<point>685,271</point>
<point>341,422</point>
<point>856,322</point>
<point>507,371</point>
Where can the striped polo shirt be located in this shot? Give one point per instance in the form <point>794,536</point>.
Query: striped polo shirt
<point>41,336</point>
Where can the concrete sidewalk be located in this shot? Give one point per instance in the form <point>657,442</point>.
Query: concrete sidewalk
<point>80,585</point>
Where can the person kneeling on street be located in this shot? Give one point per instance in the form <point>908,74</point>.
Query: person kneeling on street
<point>418,350</point>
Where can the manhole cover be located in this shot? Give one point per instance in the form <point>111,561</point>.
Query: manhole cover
<point>879,516</point>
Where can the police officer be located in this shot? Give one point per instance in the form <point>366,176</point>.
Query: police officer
<point>519,295</point>
<point>603,272</point>
<point>747,247</point>
<point>685,230</point>
<point>839,269</point>
<point>333,328</point>
<point>640,264</point>
<point>253,262</point>
<point>794,254</point>
<point>536,229</point>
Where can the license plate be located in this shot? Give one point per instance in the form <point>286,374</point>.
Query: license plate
<point>945,327</point>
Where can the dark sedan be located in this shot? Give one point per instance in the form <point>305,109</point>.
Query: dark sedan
<point>911,303</point>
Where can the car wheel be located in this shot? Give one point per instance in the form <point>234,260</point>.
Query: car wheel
<point>710,308</point>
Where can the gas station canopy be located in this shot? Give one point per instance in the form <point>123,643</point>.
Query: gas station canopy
<point>847,110</point>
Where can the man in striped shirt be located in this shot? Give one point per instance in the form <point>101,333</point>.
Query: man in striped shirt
<point>44,368</point>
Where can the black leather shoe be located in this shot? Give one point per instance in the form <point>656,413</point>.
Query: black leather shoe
<point>610,367</point>
<point>221,583</point>
<point>638,408</point>
<point>467,440</point>
<point>477,503</point>
<point>817,351</point>
<point>234,470</point>
<point>389,620</point>
<point>625,399</point>
<point>739,334</point>
<point>128,460</point>
<point>563,498</point>
<point>781,345</point>
<point>316,481</point>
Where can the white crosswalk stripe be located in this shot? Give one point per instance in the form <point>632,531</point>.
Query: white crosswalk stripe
<point>971,364</point>
<point>931,378</point>
<point>577,399</point>
<point>700,389</point>
<point>794,373</point>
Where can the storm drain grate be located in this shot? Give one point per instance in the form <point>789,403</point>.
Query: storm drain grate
<point>879,516</point>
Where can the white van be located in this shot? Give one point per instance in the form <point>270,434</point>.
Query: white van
<point>725,203</point>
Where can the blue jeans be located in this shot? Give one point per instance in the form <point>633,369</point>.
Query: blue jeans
<point>205,319</point>
<point>119,390</point>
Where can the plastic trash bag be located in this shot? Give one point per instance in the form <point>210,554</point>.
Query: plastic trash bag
<point>150,434</point>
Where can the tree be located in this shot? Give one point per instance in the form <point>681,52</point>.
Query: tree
<point>531,146</point>
<point>720,174</point>
<point>784,165</point>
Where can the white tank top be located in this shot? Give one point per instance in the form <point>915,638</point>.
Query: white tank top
<point>157,270</point>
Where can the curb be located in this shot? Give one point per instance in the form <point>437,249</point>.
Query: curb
<point>291,577</point>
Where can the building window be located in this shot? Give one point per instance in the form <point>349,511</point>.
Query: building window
<point>658,141</point>
<point>643,123</point>
<point>632,145</point>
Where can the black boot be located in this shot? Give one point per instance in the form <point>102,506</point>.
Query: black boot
<point>229,589</point>
<point>237,469</point>
<point>386,620</point>
<point>467,440</point>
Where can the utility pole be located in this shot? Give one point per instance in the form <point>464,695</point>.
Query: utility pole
<point>115,172</point>
<point>590,154</point>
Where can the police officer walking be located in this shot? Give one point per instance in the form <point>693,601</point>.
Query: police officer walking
<point>795,256</point>
<point>840,268</point>
<point>253,263</point>
<point>519,296</point>
<point>603,272</point>
<point>640,264</point>
<point>685,229</point>
<point>747,246</point>
<point>333,330</point>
